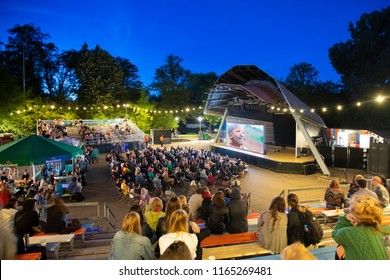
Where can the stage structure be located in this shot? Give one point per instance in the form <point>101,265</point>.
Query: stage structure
<point>264,123</point>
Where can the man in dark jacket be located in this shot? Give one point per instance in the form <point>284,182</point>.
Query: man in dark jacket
<point>238,211</point>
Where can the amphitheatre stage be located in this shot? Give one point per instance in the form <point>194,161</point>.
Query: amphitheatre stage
<point>265,124</point>
<point>278,159</point>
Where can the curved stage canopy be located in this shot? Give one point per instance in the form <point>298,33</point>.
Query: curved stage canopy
<point>247,92</point>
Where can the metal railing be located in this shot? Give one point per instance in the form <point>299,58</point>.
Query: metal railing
<point>109,216</point>
<point>96,218</point>
<point>304,192</point>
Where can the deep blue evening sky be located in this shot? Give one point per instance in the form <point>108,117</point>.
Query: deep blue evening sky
<point>208,35</point>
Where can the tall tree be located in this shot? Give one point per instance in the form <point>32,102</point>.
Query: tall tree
<point>98,75</point>
<point>302,80</point>
<point>26,48</point>
<point>199,84</point>
<point>364,60</point>
<point>131,81</point>
<point>170,81</point>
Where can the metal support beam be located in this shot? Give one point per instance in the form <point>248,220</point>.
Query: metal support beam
<point>312,147</point>
<point>221,124</point>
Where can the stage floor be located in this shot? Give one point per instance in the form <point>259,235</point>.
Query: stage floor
<point>276,159</point>
<point>273,153</point>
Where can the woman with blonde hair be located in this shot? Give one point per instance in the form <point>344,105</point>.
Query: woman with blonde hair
<point>178,230</point>
<point>185,206</point>
<point>154,212</point>
<point>297,251</point>
<point>272,226</point>
<point>359,233</point>
<point>129,244</point>
<point>173,204</point>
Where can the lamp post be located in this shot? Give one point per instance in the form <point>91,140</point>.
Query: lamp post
<point>200,124</point>
<point>177,120</point>
<point>126,105</point>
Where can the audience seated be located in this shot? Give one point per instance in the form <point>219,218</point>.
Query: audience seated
<point>359,233</point>
<point>297,251</point>
<point>178,231</point>
<point>178,250</point>
<point>272,226</point>
<point>218,214</point>
<point>154,212</point>
<point>238,211</point>
<point>334,196</point>
<point>129,244</point>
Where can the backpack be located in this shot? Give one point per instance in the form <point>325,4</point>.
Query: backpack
<point>312,230</point>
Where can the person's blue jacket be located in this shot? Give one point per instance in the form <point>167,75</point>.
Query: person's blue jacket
<point>131,246</point>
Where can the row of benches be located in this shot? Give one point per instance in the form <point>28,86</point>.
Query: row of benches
<point>53,243</point>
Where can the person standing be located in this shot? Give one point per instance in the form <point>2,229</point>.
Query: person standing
<point>162,140</point>
<point>146,140</point>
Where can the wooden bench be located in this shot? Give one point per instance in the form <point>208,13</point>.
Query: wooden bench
<point>253,216</point>
<point>29,256</point>
<point>81,233</point>
<point>52,238</point>
<point>234,251</point>
<point>229,239</point>
<point>324,253</point>
<point>318,210</point>
<point>67,196</point>
<point>385,220</point>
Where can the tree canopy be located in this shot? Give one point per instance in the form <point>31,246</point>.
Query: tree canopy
<point>39,81</point>
<point>363,61</point>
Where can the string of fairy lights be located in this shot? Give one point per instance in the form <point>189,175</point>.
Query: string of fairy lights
<point>379,99</point>
<point>105,108</point>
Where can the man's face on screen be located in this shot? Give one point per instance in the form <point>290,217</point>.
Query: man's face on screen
<point>238,136</point>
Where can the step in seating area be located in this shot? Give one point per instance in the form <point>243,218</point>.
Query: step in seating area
<point>29,256</point>
<point>324,253</point>
<point>234,245</point>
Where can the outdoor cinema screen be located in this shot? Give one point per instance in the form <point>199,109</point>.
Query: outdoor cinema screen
<point>245,136</point>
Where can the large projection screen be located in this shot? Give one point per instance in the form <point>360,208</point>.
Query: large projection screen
<point>249,137</point>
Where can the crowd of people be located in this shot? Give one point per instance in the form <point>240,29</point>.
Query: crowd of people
<point>216,200</point>
<point>52,130</point>
<point>41,208</point>
<point>182,195</point>
<point>175,188</point>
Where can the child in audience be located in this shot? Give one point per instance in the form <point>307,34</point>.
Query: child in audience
<point>297,251</point>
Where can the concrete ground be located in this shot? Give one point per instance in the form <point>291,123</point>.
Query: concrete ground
<point>262,185</point>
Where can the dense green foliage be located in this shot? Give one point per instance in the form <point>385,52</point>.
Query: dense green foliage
<point>39,81</point>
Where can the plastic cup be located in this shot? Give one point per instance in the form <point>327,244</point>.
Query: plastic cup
<point>211,258</point>
<point>337,209</point>
<point>43,242</point>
